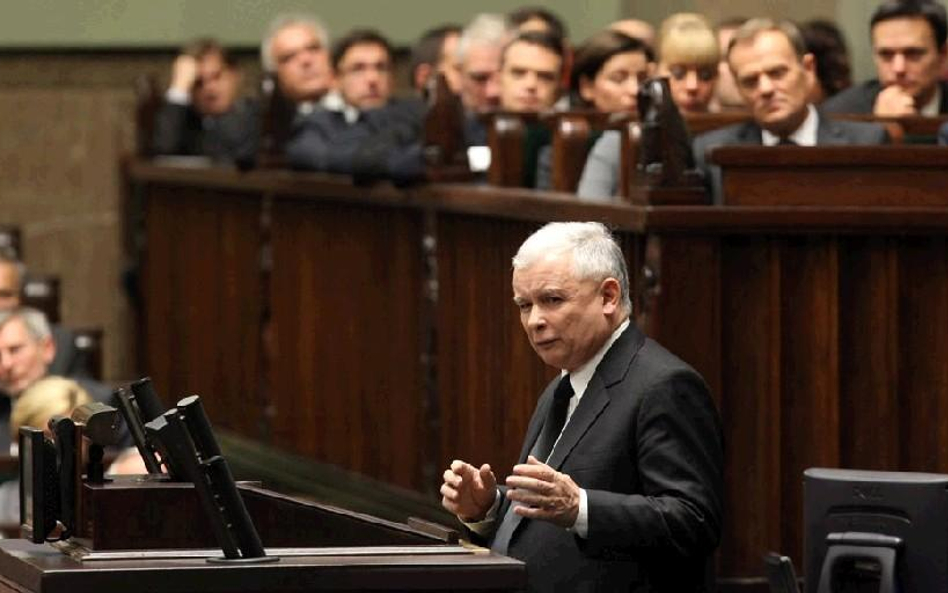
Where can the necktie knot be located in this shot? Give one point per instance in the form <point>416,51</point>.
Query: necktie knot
<point>786,142</point>
<point>564,390</point>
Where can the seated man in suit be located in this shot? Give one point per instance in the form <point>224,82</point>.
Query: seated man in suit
<point>775,74</point>
<point>477,64</point>
<point>531,75</point>
<point>68,360</point>
<point>360,129</point>
<point>619,481</point>
<point>433,54</point>
<point>296,51</point>
<point>26,351</point>
<point>202,113</point>
<point>909,49</point>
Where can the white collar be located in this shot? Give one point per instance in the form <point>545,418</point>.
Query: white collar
<point>930,109</point>
<point>805,135</point>
<point>583,375</point>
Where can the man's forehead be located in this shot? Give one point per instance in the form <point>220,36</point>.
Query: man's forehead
<point>363,51</point>
<point>14,332</point>
<point>294,37</point>
<point>9,273</point>
<point>526,54</point>
<point>765,48</point>
<point>897,33</point>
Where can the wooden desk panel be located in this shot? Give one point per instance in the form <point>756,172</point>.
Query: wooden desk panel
<point>345,370</point>
<point>203,302</point>
<point>821,328</point>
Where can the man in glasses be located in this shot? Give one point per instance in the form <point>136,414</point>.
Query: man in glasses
<point>359,128</point>
<point>774,74</point>
<point>909,49</point>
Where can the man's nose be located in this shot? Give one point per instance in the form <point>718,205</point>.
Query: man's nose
<point>765,86</point>
<point>898,62</point>
<point>536,319</point>
<point>492,88</point>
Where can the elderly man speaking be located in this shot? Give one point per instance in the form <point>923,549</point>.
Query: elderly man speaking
<point>619,482</point>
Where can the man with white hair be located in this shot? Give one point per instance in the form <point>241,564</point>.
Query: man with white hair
<point>296,51</point>
<point>619,481</point>
<point>477,61</point>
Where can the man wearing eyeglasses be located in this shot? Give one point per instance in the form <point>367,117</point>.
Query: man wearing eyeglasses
<point>358,128</point>
<point>909,49</point>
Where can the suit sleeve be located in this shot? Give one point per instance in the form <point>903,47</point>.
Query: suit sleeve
<point>600,177</point>
<point>680,464</point>
<point>170,123</point>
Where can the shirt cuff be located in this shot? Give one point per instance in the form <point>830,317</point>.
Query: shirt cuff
<point>581,526</point>
<point>483,527</point>
<point>177,97</point>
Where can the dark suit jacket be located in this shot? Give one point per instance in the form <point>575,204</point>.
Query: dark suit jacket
<point>382,143</point>
<point>231,137</point>
<point>829,133</point>
<point>861,98</point>
<point>645,443</point>
<point>69,361</point>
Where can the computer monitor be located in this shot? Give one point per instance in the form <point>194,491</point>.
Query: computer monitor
<point>867,526</point>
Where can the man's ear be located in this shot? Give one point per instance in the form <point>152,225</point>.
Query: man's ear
<point>48,349</point>
<point>611,295</point>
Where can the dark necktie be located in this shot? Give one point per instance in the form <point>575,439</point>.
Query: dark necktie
<point>552,427</point>
<point>555,419</point>
<point>786,142</point>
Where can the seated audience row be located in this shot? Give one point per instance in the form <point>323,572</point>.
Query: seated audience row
<point>347,120</point>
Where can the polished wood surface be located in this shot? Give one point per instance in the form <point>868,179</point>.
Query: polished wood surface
<point>897,176</point>
<point>820,328</point>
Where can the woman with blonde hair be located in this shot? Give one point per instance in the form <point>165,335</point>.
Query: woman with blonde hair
<point>688,54</point>
<point>48,397</point>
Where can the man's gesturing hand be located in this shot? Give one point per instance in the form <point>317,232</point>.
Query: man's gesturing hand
<point>543,493</point>
<point>468,492</point>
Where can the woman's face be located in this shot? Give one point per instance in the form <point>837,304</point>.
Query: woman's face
<point>615,86</point>
<point>692,85</point>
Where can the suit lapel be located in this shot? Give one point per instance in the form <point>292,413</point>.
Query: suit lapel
<point>595,400</point>
<point>536,423</point>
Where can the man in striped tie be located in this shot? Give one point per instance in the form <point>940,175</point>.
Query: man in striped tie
<point>619,482</point>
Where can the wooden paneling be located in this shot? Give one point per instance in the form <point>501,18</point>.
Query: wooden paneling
<point>868,348</point>
<point>750,403</point>
<point>488,375</point>
<point>203,308</point>
<point>394,345</point>
<point>346,292</point>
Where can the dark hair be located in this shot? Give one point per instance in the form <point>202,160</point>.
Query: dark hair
<point>826,42</point>
<point>204,46</point>
<point>932,12</point>
<point>359,37</point>
<point>544,40</point>
<point>598,49</point>
<point>733,22</point>
<point>428,48</point>
<point>555,25</point>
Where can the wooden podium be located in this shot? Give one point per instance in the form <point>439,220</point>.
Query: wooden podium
<point>147,535</point>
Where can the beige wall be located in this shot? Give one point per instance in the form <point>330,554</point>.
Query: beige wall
<point>241,22</point>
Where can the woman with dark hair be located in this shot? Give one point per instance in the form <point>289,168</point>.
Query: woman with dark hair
<point>607,74</point>
<point>608,69</point>
<point>833,74</point>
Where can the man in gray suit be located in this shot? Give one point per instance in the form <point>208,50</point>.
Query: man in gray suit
<point>619,481</point>
<point>774,73</point>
